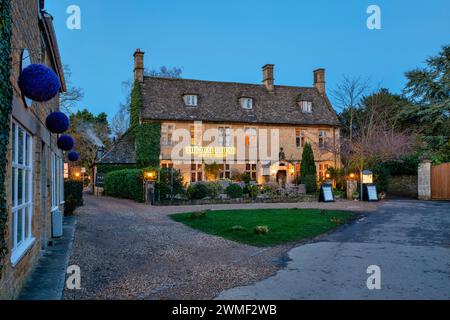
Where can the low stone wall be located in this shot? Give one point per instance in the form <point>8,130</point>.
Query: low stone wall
<point>303,198</point>
<point>405,186</point>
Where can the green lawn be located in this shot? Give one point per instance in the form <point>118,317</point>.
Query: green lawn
<point>285,225</point>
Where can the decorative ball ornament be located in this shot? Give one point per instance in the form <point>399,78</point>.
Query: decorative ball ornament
<point>65,142</point>
<point>57,122</point>
<point>73,156</point>
<point>39,83</point>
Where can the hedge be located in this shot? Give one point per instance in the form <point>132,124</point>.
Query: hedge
<point>5,112</point>
<point>126,184</point>
<point>73,196</point>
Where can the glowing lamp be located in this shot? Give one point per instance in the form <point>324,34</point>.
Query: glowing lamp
<point>150,175</point>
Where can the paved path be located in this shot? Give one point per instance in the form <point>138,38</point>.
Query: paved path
<point>47,280</point>
<point>128,250</point>
<point>408,240</point>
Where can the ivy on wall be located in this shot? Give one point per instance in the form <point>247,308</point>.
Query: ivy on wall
<point>5,112</point>
<point>147,136</point>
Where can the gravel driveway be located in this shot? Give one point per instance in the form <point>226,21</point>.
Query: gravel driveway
<point>128,250</point>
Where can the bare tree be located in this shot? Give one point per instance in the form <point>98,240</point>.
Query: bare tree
<point>121,120</point>
<point>348,95</point>
<point>72,95</point>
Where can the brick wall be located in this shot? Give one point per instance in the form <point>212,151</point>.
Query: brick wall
<point>27,33</point>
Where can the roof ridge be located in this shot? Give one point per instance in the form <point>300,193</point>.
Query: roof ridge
<point>224,82</point>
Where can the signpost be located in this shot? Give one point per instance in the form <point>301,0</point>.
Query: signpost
<point>326,193</point>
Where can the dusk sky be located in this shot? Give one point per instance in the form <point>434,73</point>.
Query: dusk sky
<point>231,40</point>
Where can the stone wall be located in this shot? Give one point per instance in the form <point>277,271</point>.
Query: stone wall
<point>405,186</point>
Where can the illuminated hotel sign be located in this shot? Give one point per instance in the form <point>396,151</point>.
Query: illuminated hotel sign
<point>212,152</point>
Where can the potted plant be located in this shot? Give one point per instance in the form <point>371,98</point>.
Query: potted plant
<point>355,196</point>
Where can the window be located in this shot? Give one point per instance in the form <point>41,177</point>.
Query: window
<point>250,169</point>
<point>167,134</point>
<point>191,100</point>
<point>224,137</point>
<point>225,171</point>
<point>196,172</point>
<point>57,182</point>
<point>322,137</point>
<point>306,106</point>
<point>167,165</point>
<point>22,191</point>
<point>300,138</point>
<point>323,168</point>
<point>246,103</point>
<point>25,62</point>
<point>250,137</point>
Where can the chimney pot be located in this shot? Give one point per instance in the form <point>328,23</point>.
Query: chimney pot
<point>139,65</point>
<point>319,81</point>
<point>268,78</point>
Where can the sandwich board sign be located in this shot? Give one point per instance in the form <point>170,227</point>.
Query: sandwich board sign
<point>326,193</point>
<point>372,194</point>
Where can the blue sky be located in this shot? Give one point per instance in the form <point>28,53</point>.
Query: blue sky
<point>231,40</point>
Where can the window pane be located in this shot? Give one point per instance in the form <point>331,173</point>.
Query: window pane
<point>200,176</point>
<point>27,150</point>
<point>20,150</point>
<point>13,186</point>
<point>193,177</point>
<point>19,226</point>
<point>20,187</point>
<point>13,143</point>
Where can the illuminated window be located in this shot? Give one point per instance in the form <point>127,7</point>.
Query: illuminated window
<point>323,168</point>
<point>250,169</point>
<point>196,172</point>
<point>225,171</point>
<point>250,137</point>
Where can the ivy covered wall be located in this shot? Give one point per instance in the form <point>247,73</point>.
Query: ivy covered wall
<point>147,136</point>
<point>5,112</point>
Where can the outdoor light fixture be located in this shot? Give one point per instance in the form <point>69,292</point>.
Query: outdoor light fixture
<point>77,174</point>
<point>352,176</point>
<point>150,175</point>
<point>328,176</point>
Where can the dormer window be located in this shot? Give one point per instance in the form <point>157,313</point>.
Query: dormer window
<point>191,100</point>
<point>246,103</point>
<point>306,106</point>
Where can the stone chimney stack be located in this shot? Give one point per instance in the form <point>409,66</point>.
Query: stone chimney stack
<point>319,80</point>
<point>139,66</point>
<point>268,79</point>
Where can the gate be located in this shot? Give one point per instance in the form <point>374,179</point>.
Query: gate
<point>440,182</point>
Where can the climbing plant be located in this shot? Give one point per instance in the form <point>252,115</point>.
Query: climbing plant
<point>147,135</point>
<point>5,112</point>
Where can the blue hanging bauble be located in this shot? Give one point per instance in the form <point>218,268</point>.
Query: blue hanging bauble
<point>73,156</point>
<point>39,83</point>
<point>57,122</point>
<point>65,142</point>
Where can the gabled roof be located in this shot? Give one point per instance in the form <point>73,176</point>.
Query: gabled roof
<point>122,152</point>
<point>219,102</point>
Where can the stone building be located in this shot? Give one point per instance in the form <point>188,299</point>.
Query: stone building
<point>245,128</point>
<point>34,182</point>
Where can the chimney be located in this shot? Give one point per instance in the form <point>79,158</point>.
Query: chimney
<point>139,66</point>
<point>319,80</point>
<point>268,79</point>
